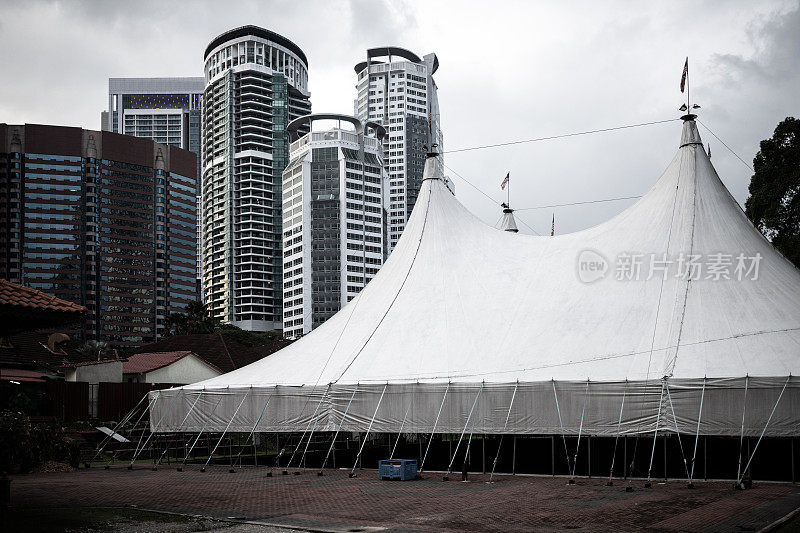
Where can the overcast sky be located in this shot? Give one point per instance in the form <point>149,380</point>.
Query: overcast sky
<point>508,71</point>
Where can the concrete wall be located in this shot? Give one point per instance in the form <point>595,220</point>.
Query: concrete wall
<point>110,372</point>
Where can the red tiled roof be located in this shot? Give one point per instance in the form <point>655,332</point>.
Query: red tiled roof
<point>224,354</point>
<point>90,363</point>
<point>15,295</point>
<point>147,362</point>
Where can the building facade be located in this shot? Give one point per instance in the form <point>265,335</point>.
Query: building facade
<point>333,234</point>
<point>166,110</point>
<point>100,219</point>
<point>395,88</point>
<point>256,83</point>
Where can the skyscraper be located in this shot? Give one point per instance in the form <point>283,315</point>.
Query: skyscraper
<point>166,110</point>
<point>400,94</point>
<point>256,83</point>
<point>332,219</point>
<point>104,220</point>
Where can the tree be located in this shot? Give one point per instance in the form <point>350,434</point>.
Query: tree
<point>196,319</point>
<point>95,349</point>
<point>774,202</point>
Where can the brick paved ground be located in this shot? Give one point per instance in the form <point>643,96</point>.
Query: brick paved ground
<point>334,502</point>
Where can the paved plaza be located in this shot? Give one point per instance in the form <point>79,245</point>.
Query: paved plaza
<point>335,502</point>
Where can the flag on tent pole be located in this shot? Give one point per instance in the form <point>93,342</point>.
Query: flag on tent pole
<point>553,227</point>
<point>685,74</point>
<point>505,181</point>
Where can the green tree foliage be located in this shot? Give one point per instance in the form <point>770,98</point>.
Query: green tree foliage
<point>196,319</point>
<point>95,349</point>
<point>774,202</point>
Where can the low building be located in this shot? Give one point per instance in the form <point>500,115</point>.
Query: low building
<point>182,367</point>
<point>105,371</point>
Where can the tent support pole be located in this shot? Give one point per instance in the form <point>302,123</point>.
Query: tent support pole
<point>366,435</point>
<point>678,434</point>
<point>400,433</point>
<point>580,431</point>
<point>435,423</point>
<point>741,436</point>
<point>505,425</point>
<point>469,417</point>
<point>563,435</point>
<point>610,481</point>
<point>163,415</point>
<point>314,419</point>
<point>755,449</point>
<point>185,418</point>
<point>136,452</point>
<point>514,457</point>
<point>648,483</point>
<point>333,441</point>
<point>251,435</point>
<point>210,455</point>
<point>697,434</point>
<point>125,420</point>
<point>202,429</point>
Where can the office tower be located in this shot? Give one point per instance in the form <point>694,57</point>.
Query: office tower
<point>256,83</point>
<point>166,110</point>
<point>100,219</point>
<point>396,89</point>
<point>332,219</point>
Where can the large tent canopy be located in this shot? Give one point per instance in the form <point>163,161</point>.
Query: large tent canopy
<point>621,328</point>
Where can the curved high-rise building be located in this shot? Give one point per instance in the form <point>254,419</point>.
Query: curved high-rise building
<point>396,89</point>
<point>256,83</point>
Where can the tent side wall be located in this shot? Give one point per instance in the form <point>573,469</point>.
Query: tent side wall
<point>591,408</point>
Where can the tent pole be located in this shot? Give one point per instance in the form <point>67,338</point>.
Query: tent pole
<point>315,418</point>
<point>469,417</point>
<point>364,442</point>
<point>648,483</point>
<point>435,423</point>
<point>163,415</point>
<point>746,468</point>
<point>333,441</point>
<point>580,430</point>
<point>252,433</point>
<point>561,423</point>
<point>505,425</point>
<point>181,425</point>
<point>125,419</point>
<point>678,434</point>
<point>210,455</point>
<point>136,452</point>
<point>741,436</point>
<point>697,434</point>
<point>400,433</point>
<point>610,481</point>
<point>202,429</point>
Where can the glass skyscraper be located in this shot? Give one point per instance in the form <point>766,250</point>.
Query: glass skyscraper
<point>256,83</point>
<point>100,219</point>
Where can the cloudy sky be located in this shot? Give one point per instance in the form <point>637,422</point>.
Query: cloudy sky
<point>509,71</point>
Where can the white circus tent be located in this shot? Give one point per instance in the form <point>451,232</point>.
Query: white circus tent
<point>675,315</point>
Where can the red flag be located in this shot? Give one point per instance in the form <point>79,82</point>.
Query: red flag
<point>505,181</point>
<point>553,227</point>
<point>685,74</point>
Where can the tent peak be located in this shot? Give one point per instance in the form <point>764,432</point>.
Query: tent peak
<point>690,135</point>
<point>433,167</point>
